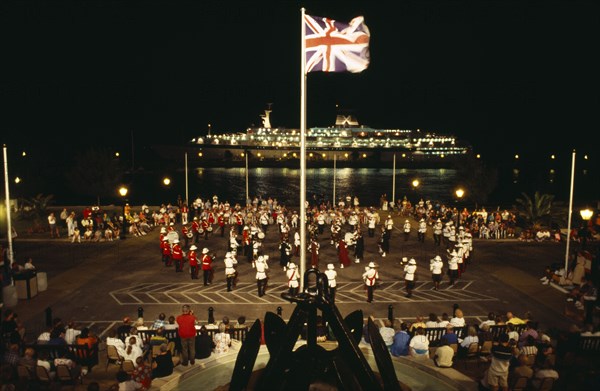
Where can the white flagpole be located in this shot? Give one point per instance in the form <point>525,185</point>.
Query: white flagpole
<point>8,218</point>
<point>186,180</point>
<point>246,172</point>
<point>394,181</point>
<point>334,175</point>
<point>302,150</point>
<point>570,214</point>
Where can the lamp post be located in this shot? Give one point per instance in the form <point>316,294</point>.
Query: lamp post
<point>123,192</point>
<point>586,215</point>
<point>459,195</point>
<point>415,184</point>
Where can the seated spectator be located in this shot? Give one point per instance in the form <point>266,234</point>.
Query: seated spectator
<point>172,325</point>
<point>222,339</point>
<point>86,337</point>
<point>241,322</point>
<point>44,336</point>
<point>142,373</point>
<point>512,334</point>
<point>419,344</point>
<point>163,363</point>
<point>444,321</point>
<point>387,333</point>
<point>64,359</point>
<point>57,336</point>
<point>112,339</point>
<point>529,331</point>
<point>204,344</point>
<point>450,336</point>
<point>511,318</point>
<point>158,338</point>
<point>471,337</point>
<point>126,383</point>
<point>28,358</point>
<point>132,349</point>
<point>401,340</point>
<point>443,356</point>
<point>71,333</point>
<point>547,370</point>
<point>44,361</point>
<point>161,321</point>
<point>11,356</point>
<point>418,323</point>
<point>432,321</point>
<point>529,347</point>
<point>458,320</point>
<point>490,321</point>
<point>29,265</point>
<point>125,328</point>
<point>139,324</point>
<point>521,369</point>
<point>485,334</point>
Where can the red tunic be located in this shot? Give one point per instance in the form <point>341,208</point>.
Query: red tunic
<point>192,257</point>
<point>343,253</point>
<point>206,262</point>
<point>177,253</point>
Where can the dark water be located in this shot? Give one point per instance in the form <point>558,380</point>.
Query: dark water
<point>367,183</point>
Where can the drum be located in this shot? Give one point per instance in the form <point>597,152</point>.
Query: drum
<point>200,230</point>
<point>190,234</point>
<point>261,235</point>
<point>209,229</point>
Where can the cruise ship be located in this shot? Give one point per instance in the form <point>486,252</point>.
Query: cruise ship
<point>347,142</point>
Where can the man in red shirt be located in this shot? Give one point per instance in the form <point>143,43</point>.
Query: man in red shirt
<point>187,334</point>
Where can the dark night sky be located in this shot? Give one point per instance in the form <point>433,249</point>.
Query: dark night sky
<point>504,75</point>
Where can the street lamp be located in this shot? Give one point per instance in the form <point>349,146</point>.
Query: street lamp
<point>586,215</point>
<point>459,195</point>
<point>123,192</point>
<point>167,181</point>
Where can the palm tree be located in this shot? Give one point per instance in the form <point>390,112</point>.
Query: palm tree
<point>541,211</point>
<point>35,209</point>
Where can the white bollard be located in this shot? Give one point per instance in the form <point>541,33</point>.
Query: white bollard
<point>42,281</point>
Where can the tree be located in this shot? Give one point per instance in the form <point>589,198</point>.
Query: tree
<point>35,209</point>
<point>538,212</point>
<point>95,173</point>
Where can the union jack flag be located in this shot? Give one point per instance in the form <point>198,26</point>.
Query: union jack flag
<point>332,46</point>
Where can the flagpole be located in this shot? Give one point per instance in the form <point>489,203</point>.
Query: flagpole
<point>8,218</point>
<point>246,172</point>
<point>394,180</point>
<point>186,180</point>
<point>334,175</point>
<point>570,214</point>
<point>302,150</point>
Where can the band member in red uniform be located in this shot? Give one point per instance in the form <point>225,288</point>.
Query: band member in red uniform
<point>206,266</point>
<point>177,255</point>
<point>166,252</point>
<point>239,221</point>
<point>221,222</point>
<point>204,224</point>
<point>184,232</point>
<point>195,229</point>
<point>193,259</point>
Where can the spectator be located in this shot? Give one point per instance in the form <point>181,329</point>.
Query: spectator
<point>125,328</point>
<point>76,371</point>
<point>433,321</point>
<point>132,350</point>
<point>458,320</point>
<point>546,371</point>
<point>511,318</point>
<point>419,344</point>
<point>187,335</point>
<point>116,342</point>
<point>11,356</point>
<point>142,373</point>
<point>71,333</point>
<point>126,383</point>
<point>512,334</point>
<point>29,265</point>
<point>401,340</point>
<point>158,338</point>
<point>443,355</point>
<point>529,331</point>
<point>172,325</point>
<point>450,336</point>
<point>222,339</point>
<point>160,321</point>
<point>387,333</point>
<point>163,363</point>
<point>471,337</point>
<point>86,337</point>
<point>418,323</point>
<point>44,361</point>
<point>57,336</point>
<point>497,374</point>
<point>28,358</point>
<point>444,321</point>
<point>204,344</point>
<point>490,321</point>
<point>521,370</point>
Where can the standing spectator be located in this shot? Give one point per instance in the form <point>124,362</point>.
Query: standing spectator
<point>187,334</point>
<point>497,373</point>
<point>53,227</point>
<point>222,339</point>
